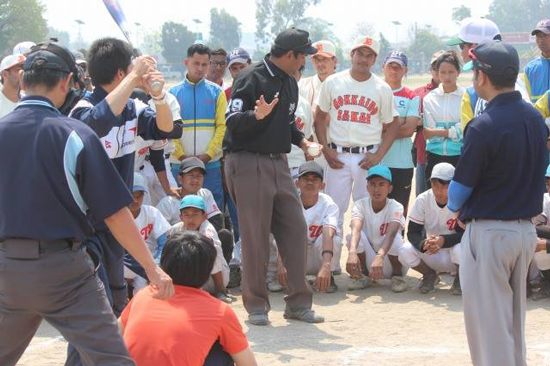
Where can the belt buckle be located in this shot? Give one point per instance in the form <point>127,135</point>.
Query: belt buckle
<point>275,155</point>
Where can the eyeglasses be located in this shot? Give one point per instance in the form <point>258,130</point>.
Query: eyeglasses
<point>219,64</point>
<point>479,64</point>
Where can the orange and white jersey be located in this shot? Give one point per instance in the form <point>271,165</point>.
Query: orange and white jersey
<point>323,214</point>
<point>436,220</point>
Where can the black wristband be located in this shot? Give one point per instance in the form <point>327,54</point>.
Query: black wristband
<point>327,251</point>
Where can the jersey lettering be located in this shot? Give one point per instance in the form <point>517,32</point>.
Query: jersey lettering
<point>383,229</point>
<point>146,231</point>
<point>315,231</point>
<point>451,224</point>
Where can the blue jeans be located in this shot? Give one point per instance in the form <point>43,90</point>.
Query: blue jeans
<point>421,185</point>
<point>213,182</point>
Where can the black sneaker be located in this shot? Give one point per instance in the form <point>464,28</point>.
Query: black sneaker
<point>234,277</point>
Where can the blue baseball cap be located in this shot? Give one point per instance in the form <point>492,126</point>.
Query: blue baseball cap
<point>193,200</point>
<point>239,55</point>
<point>548,172</point>
<point>139,183</point>
<point>380,171</point>
<point>398,57</point>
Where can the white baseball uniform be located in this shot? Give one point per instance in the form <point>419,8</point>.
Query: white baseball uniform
<point>436,221</point>
<point>220,265</point>
<point>542,259</point>
<point>323,214</point>
<point>304,122</point>
<point>151,225</point>
<point>373,232</point>
<point>169,206</point>
<point>358,111</point>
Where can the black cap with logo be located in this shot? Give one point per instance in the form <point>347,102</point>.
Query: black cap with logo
<point>496,58</point>
<point>310,167</point>
<point>295,39</point>
<point>192,163</point>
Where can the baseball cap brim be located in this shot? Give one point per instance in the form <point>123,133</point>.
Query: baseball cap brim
<point>324,54</point>
<point>308,50</point>
<point>240,60</point>
<point>541,29</point>
<point>379,175</point>
<point>468,66</point>
<point>189,168</point>
<point>395,60</point>
<point>307,171</point>
<point>364,46</point>
<point>454,41</point>
<point>138,188</point>
<point>192,205</point>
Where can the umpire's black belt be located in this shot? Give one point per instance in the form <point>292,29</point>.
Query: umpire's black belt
<point>18,248</point>
<point>352,150</point>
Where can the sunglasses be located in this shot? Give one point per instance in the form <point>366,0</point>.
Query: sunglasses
<point>480,65</point>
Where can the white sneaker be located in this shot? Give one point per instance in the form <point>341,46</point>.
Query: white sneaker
<point>398,284</point>
<point>274,286</point>
<point>359,283</point>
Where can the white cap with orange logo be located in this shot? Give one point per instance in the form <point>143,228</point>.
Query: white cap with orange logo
<point>12,60</point>
<point>325,48</point>
<point>366,41</point>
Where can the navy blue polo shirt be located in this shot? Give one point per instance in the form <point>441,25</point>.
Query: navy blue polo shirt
<point>55,174</point>
<point>504,158</point>
<point>118,133</point>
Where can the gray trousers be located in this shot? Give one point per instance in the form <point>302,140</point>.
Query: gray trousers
<point>267,202</point>
<point>493,272</point>
<point>62,288</point>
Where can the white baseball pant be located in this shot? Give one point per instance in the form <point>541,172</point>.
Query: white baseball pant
<point>445,260</point>
<point>315,256</point>
<point>342,183</point>
<point>220,265</point>
<point>366,247</point>
<point>138,282</point>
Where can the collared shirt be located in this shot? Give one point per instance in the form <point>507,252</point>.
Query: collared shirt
<point>504,159</point>
<point>118,133</point>
<point>419,140</point>
<point>274,133</point>
<point>50,189</point>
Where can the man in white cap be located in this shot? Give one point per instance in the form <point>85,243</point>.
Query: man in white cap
<point>324,63</point>
<point>474,31</point>
<point>361,107</point>
<point>23,48</point>
<point>9,76</point>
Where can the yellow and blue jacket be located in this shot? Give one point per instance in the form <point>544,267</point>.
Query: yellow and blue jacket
<point>537,78</point>
<point>543,105</point>
<point>202,108</point>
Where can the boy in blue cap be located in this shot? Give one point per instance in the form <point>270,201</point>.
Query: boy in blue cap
<point>376,225</point>
<point>194,218</point>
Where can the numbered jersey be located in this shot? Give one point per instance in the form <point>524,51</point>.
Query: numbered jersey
<point>151,225</point>
<point>375,224</point>
<point>436,220</point>
<point>324,213</point>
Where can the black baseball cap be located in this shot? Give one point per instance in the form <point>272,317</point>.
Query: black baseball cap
<point>50,56</point>
<point>191,163</point>
<point>310,167</point>
<point>542,26</point>
<point>295,39</point>
<point>495,58</point>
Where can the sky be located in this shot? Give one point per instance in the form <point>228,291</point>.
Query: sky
<point>343,14</point>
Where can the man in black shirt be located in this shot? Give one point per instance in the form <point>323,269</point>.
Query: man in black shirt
<point>260,130</point>
<point>498,187</point>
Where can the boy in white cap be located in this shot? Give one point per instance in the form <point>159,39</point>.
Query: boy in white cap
<point>375,241</point>
<point>433,233</point>
<point>361,106</point>
<point>9,76</point>
<point>152,227</point>
<point>194,218</point>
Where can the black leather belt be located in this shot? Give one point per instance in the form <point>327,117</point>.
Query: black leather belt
<point>31,248</point>
<point>352,150</point>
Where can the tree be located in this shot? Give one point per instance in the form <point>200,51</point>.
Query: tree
<point>518,15</point>
<point>176,39</point>
<point>152,43</point>
<point>423,45</point>
<point>62,36</point>
<point>461,12</point>
<point>363,29</point>
<point>225,30</point>
<point>274,16</point>
<point>20,21</point>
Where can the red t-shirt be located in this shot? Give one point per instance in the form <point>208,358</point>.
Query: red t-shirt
<point>181,330</point>
<point>419,140</point>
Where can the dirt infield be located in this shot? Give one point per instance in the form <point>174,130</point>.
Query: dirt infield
<point>369,327</point>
